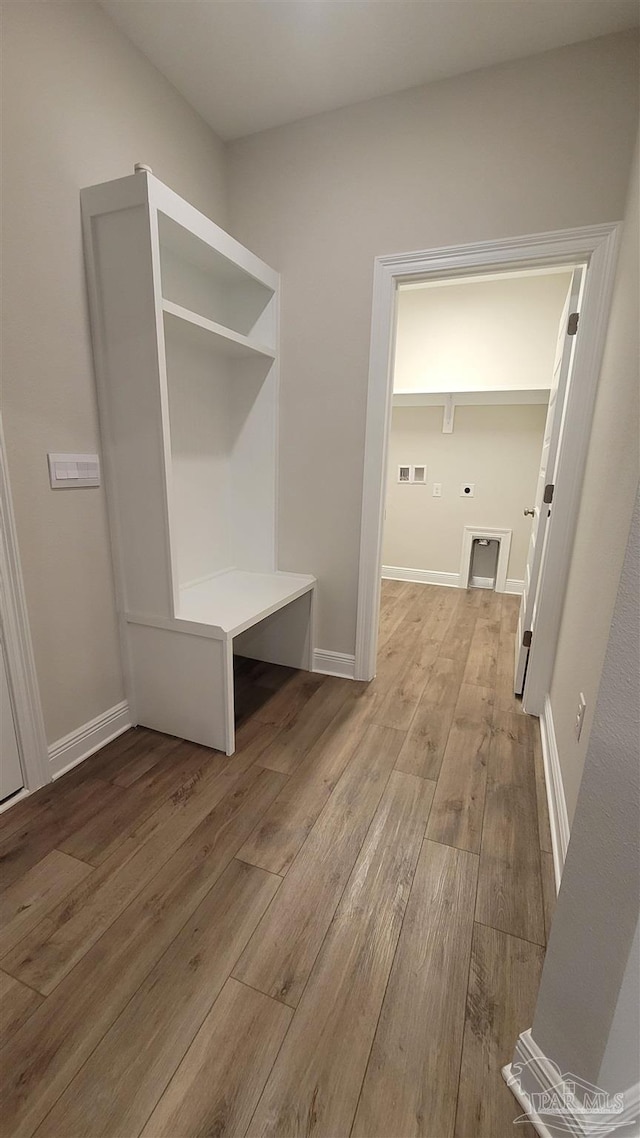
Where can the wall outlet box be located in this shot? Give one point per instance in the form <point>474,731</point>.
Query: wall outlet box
<point>467,490</point>
<point>71,471</point>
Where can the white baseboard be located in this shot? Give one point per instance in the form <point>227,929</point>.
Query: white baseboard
<point>532,1074</point>
<point>558,816</point>
<point>452,580</point>
<point>334,663</point>
<point>82,742</point>
<point>420,576</point>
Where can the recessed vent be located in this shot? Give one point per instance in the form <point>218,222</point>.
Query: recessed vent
<point>419,474</point>
<point>404,474</point>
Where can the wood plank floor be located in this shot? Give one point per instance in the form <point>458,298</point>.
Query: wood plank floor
<point>337,932</point>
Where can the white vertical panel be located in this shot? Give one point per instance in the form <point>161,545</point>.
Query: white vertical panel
<point>253,464</point>
<point>199,416</point>
<point>181,684</point>
<point>130,404</point>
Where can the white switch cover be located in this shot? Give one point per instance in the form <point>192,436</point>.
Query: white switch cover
<point>69,471</point>
<point>437,489</point>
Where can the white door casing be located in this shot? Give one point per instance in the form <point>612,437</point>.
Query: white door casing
<point>16,638</point>
<point>561,377</point>
<point>595,246</point>
<point>11,778</point>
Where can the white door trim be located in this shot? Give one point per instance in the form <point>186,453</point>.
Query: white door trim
<point>23,682</point>
<point>596,246</point>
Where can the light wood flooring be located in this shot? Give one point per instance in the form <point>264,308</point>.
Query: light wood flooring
<point>338,931</point>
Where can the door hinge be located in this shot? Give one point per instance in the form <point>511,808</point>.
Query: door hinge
<point>548,493</point>
<point>526,639</point>
<point>572,326</point>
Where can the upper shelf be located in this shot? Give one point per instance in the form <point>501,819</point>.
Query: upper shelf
<point>222,341</point>
<point>190,237</point>
<point>471,398</point>
<point>236,600</point>
<point>204,279</point>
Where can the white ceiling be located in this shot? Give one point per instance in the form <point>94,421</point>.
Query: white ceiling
<point>247,65</point>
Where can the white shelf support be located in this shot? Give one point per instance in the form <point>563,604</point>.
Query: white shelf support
<point>448,415</point>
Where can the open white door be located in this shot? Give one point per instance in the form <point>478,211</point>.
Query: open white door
<point>541,510</point>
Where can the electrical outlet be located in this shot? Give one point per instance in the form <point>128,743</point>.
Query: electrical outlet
<point>582,707</point>
<point>437,489</point>
<point>467,490</point>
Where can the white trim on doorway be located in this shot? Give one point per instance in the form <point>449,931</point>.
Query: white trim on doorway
<point>557,803</point>
<point>595,246</point>
<point>23,682</point>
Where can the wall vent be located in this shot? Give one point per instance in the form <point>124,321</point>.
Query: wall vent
<point>404,474</point>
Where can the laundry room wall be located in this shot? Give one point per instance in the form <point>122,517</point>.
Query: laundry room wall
<point>80,105</point>
<point>496,448</point>
<point>495,334</point>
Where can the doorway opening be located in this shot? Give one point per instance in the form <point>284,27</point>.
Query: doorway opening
<point>585,258</point>
<point>480,368</point>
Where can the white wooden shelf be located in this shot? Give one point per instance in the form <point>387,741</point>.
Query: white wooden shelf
<point>476,398</point>
<point>223,341</point>
<point>199,242</point>
<point>236,600</point>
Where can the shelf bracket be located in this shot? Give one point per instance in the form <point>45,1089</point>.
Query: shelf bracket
<point>448,415</point>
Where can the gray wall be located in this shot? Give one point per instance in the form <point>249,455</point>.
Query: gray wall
<point>80,106</point>
<point>589,960</point>
<point>610,482</point>
<point>620,1065</point>
<point>497,448</point>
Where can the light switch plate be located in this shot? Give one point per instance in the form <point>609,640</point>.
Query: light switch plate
<point>71,471</point>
